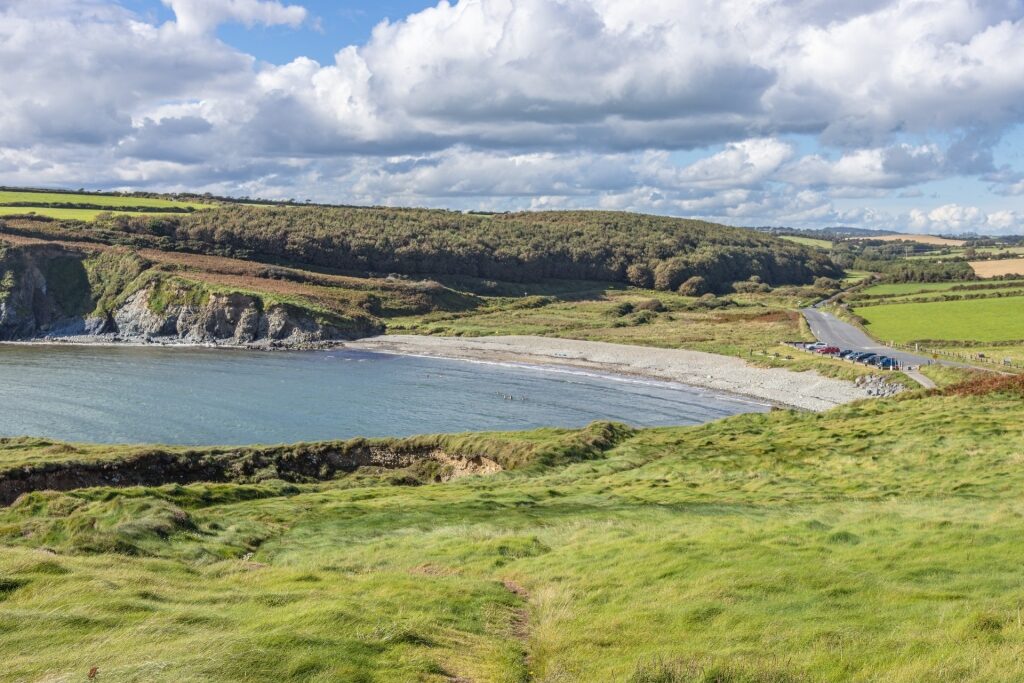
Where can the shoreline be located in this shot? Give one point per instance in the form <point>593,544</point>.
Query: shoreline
<point>169,343</point>
<point>725,374</point>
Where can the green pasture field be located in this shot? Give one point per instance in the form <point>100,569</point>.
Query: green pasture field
<point>854,276</point>
<point>14,196</point>
<point>1011,290</point>
<point>876,542</point>
<point>71,214</point>
<point>899,288</point>
<point>976,320</point>
<point>996,353</point>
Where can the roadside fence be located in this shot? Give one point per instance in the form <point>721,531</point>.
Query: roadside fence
<point>958,355</point>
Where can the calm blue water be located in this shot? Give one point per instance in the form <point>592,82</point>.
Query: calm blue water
<point>203,397</point>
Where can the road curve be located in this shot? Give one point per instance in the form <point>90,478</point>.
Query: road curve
<point>833,331</point>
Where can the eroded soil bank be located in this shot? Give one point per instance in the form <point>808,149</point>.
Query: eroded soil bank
<point>296,464</point>
<point>28,464</point>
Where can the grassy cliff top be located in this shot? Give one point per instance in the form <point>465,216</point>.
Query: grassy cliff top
<point>873,542</point>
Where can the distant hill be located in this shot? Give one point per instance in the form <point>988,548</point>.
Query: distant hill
<point>648,251</point>
<point>825,233</point>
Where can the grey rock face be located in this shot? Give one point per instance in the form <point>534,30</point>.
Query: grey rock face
<point>135,319</point>
<point>26,307</point>
<point>29,310</point>
<point>232,319</point>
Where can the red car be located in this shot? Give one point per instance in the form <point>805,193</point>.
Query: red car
<point>828,350</point>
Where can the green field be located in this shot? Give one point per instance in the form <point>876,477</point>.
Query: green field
<point>854,276</point>
<point>70,214</point>
<point>877,542</point>
<point>977,320</point>
<point>900,288</point>
<point>14,197</point>
<point>923,297</point>
<point>47,204</point>
<point>808,241</point>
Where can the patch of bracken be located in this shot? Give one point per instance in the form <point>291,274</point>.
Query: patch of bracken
<point>1012,385</point>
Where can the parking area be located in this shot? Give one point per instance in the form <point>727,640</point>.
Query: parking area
<point>880,361</point>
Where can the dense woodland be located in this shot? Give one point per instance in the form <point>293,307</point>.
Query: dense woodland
<point>650,251</point>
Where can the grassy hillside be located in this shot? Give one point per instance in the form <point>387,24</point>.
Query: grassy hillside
<point>648,251</point>
<point>751,320</point>
<point>874,542</point>
<point>94,280</point>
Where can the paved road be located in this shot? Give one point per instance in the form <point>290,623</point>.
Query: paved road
<point>829,329</point>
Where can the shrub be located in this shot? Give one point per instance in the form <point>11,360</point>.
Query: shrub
<point>650,305</point>
<point>621,309</point>
<point>640,275</point>
<point>695,286</point>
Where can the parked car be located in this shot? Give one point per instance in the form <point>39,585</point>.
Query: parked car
<point>887,363</point>
<point>848,353</point>
<point>864,357</point>
<point>815,346</point>
<point>827,350</point>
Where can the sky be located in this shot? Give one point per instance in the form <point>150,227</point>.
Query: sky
<point>892,114</point>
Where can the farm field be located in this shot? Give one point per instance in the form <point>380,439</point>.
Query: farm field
<point>901,288</point>
<point>995,353</point>
<point>853,277</point>
<point>86,207</point>
<point>808,241</point>
<point>757,545</point>
<point>946,295</point>
<point>995,268</point>
<point>921,239</point>
<point>977,320</point>
<point>15,196</point>
<point>1011,291</point>
<point>70,214</point>
<point>960,252</point>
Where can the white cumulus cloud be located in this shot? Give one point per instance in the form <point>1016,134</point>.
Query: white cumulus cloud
<point>783,110</point>
<point>201,16</point>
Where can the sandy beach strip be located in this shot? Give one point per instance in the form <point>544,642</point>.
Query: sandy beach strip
<point>805,390</point>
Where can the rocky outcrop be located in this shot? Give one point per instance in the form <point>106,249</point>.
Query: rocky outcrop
<point>233,319</point>
<point>41,292</point>
<point>45,292</point>
<point>879,386</point>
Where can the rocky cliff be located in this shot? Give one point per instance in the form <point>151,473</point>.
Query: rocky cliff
<point>52,292</point>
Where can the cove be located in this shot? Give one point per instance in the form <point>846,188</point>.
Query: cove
<point>191,396</point>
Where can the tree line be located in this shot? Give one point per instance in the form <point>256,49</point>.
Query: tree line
<point>649,251</point>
